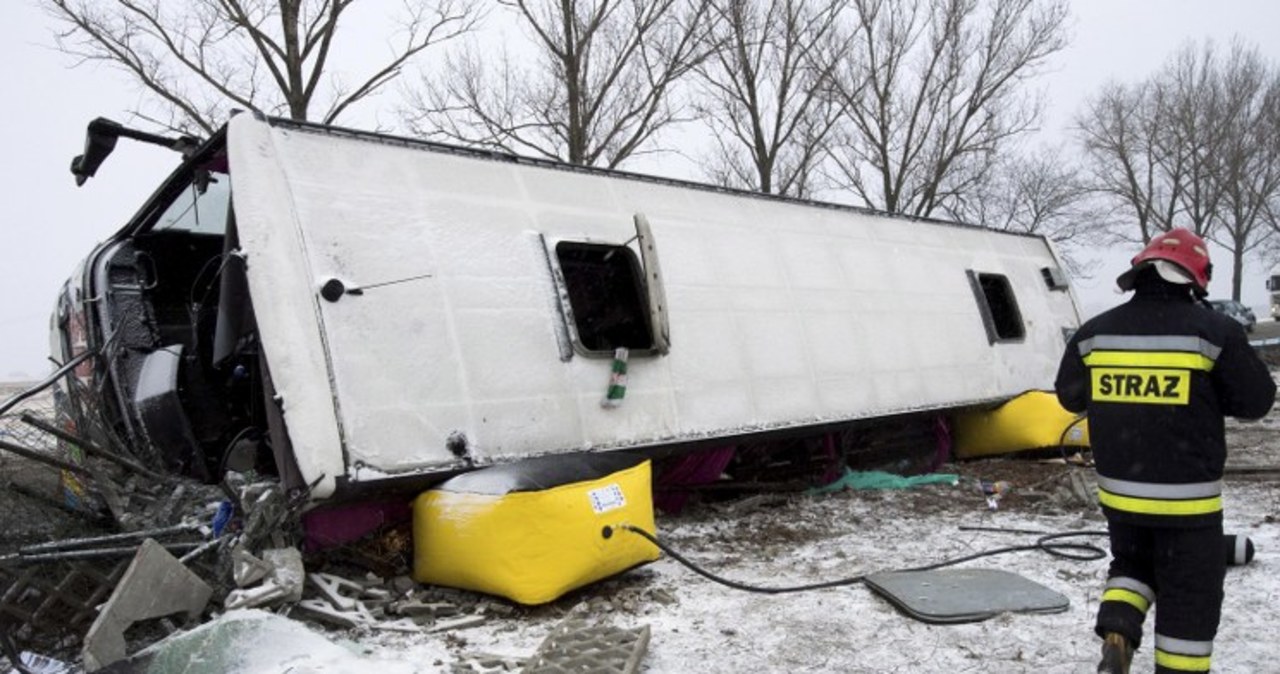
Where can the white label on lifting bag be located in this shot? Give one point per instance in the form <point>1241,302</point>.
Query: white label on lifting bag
<point>606,498</point>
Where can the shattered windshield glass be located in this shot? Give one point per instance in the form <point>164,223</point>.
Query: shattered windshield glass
<point>201,207</point>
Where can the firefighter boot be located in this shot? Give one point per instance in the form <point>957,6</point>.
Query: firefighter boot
<point>1116,654</point>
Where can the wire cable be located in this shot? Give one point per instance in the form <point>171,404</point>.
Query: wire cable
<point>47,382</point>
<point>732,583</point>
<point>1051,543</point>
<point>1062,439</point>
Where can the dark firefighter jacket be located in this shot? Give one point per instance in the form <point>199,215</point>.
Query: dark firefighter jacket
<point>1156,376</point>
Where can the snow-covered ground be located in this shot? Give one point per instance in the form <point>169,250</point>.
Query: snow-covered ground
<point>700,626</point>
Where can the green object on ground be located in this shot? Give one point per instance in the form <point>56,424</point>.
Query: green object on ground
<point>879,479</point>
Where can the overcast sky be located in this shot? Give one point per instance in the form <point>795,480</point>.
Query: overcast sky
<point>49,224</point>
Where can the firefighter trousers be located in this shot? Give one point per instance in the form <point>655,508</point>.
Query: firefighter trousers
<point>1178,570</point>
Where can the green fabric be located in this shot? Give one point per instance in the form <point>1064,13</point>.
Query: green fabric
<point>878,479</point>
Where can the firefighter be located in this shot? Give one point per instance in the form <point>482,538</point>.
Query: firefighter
<point>1156,375</point>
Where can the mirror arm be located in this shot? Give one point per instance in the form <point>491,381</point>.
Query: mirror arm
<point>100,140</point>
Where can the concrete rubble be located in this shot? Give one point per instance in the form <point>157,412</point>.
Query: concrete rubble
<point>247,569</point>
<point>156,584</point>
<point>281,581</point>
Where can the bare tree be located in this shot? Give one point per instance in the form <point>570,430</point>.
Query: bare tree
<point>934,90</point>
<point>1246,179</point>
<point>1036,193</point>
<point>1193,134</point>
<point>1195,145</point>
<point>765,94</point>
<point>198,58</point>
<point>1119,131</point>
<point>598,90</point>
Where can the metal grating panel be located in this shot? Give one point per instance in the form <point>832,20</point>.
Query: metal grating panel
<point>576,647</point>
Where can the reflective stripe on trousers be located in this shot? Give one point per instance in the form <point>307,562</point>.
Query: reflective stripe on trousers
<point>1183,655</point>
<point>1149,498</point>
<point>1129,591</point>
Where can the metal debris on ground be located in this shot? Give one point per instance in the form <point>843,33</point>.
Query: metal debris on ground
<point>34,663</point>
<point>51,591</point>
<point>331,587</point>
<point>456,623</point>
<point>321,611</point>
<point>49,605</point>
<point>235,543</point>
<point>485,663</point>
<point>375,603</point>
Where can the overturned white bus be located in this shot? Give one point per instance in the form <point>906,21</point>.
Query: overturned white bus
<point>362,311</point>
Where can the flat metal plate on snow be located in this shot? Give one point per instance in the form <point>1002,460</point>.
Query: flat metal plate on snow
<point>946,596</point>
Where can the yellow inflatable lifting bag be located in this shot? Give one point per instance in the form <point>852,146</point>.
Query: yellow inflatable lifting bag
<point>533,546</point>
<point>1033,420</point>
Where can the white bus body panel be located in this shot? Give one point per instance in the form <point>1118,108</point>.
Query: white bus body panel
<point>781,313</point>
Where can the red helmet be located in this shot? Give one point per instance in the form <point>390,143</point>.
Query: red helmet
<point>1178,255</point>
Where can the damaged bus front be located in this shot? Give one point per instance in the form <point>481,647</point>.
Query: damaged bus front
<point>173,378</point>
